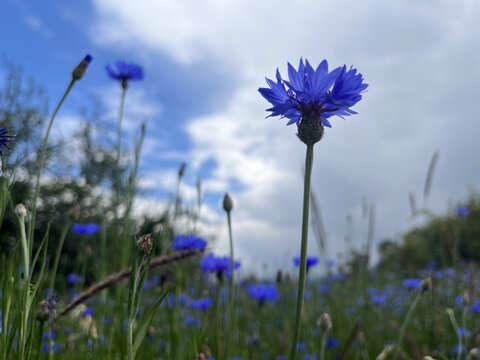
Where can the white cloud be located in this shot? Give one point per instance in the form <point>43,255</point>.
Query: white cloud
<point>422,61</point>
<point>37,24</point>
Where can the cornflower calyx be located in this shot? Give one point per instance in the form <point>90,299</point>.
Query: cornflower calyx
<point>311,96</point>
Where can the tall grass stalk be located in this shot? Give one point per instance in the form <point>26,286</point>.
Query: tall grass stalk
<point>303,252</point>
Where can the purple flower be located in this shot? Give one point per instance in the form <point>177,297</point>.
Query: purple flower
<point>124,72</point>
<point>311,261</point>
<point>74,279</point>
<point>462,211</point>
<point>86,229</point>
<point>263,292</point>
<point>5,139</point>
<point>333,342</point>
<point>202,304</point>
<point>412,283</point>
<point>185,242</point>
<point>219,265</point>
<point>314,93</point>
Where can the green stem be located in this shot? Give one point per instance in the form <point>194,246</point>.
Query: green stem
<point>303,252</point>
<point>25,248</point>
<point>31,228</point>
<point>324,341</point>
<point>232,285</point>
<point>118,154</point>
<point>63,235</point>
<point>405,323</point>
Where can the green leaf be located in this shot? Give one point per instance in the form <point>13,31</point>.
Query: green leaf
<point>142,331</point>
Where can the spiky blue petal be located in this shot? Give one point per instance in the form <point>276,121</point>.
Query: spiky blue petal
<point>125,71</point>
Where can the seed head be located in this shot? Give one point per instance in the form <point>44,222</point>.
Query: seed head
<point>227,203</point>
<point>145,244</point>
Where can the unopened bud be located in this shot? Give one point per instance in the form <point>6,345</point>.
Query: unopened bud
<point>150,331</point>
<point>201,356</point>
<point>20,210</point>
<point>324,322</point>
<point>279,276</point>
<point>474,354</point>
<point>426,284</point>
<point>181,170</point>
<point>79,71</point>
<point>145,244</point>
<point>75,212</point>
<point>227,203</point>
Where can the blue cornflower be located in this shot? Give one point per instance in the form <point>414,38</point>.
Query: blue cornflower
<point>124,72</point>
<point>86,229</point>
<point>311,96</point>
<point>219,265</point>
<point>412,283</point>
<point>462,211</point>
<point>202,304</point>
<point>333,342</point>
<point>88,311</point>
<point>184,242</point>
<point>311,261</point>
<point>74,279</point>
<point>263,292</point>
<point>5,139</point>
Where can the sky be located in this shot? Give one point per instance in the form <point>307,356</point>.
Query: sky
<point>204,62</point>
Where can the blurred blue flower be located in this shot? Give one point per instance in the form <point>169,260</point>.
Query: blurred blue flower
<point>124,71</point>
<point>475,307</point>
<point>184,242</point>
<point>5,139</point>
<point>263,292</point>
<point>220,265</point>
<point>74,279</point>
<point>193,322</point>
<point>412,283</point>
<point>309,94</point>
<point>86,229</point>
<point>464,333</point>
<point>324,289</point>
<point>201,304</point>
<point>333,342</point>
<point>88,311</point>
<point>311,261</point>
<point>46,347</point>
<point>462,211</point>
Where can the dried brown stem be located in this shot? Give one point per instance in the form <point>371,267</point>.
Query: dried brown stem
<point>116,278</point>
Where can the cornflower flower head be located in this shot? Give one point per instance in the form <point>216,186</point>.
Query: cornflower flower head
<point>5,139</point>
<point>462,211</point>
<point>263,293</point>
<point>124,71</point>
<point>311,96</point>
<point>412,283</point>
<point>311,261</point>
<point>74,279</point>
<point>184,242</point>
<point>219,265</point>
<point>86,229</point>
<point>201,304</point>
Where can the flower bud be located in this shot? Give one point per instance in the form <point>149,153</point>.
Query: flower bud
<point>79,71</point>
<point>181,170</point>
<point>426,284</point>
<point>227,203</point>
<point>325,322</point>
<point>145,244</point>
<point>474,354</point>
<point>20,210</point>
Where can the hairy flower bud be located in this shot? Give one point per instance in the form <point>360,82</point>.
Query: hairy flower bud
<point>145,244</point>
<point>227,203</point>
<point>310,128</point>
<point>79,71</point>
<point>20,210</point>
<point>325,322</point>
<point>426,284</point>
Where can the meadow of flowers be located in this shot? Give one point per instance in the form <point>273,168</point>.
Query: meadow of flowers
<point>163,293</point>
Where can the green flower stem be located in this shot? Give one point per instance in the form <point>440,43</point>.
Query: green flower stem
<point>324,341</point>
<point>119,152</point>
<point>63,235</point>
<point>232,284</point>
<point>405,323</point>
<point>25,248</point>
<point>42,163</point>
<point>303,252</point>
